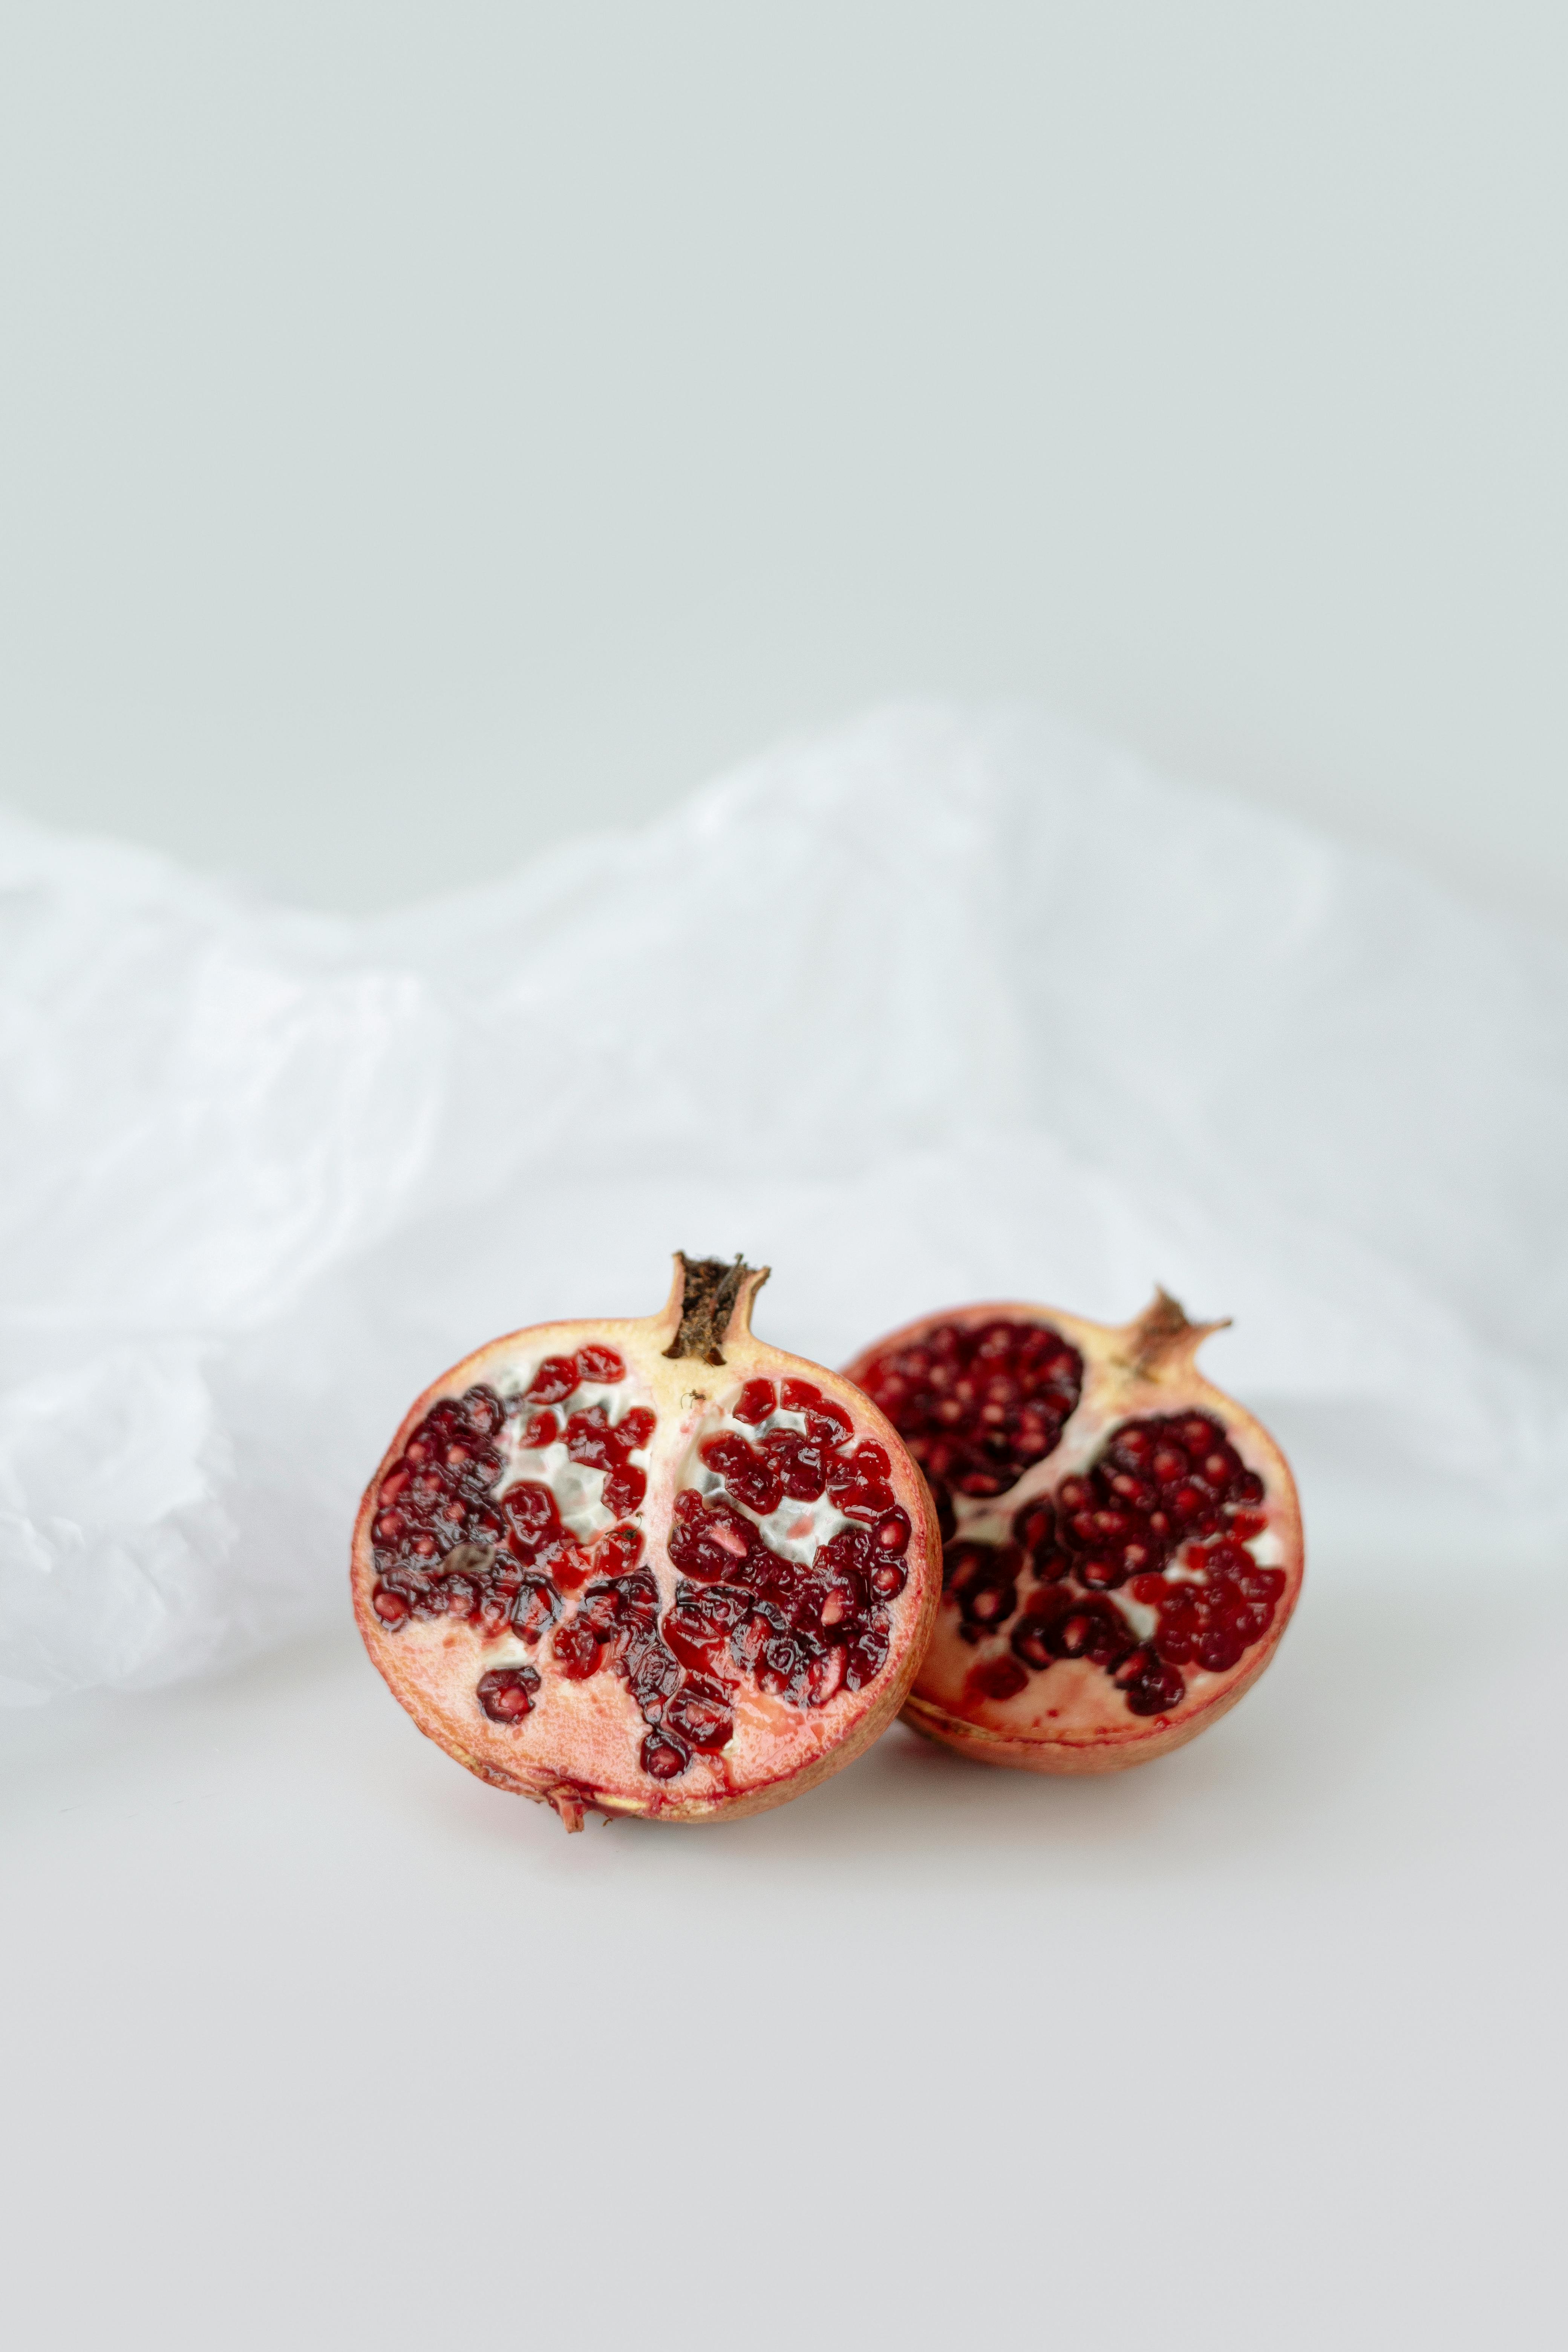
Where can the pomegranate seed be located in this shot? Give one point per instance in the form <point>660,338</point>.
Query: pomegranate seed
<point>390,1607</point>
<point>700,1714</point>
<point>652,1675</point>
<point>834,1606</point>
<point>781,1664</point>
<point>483,1409</point>
<point>599,1363</point>
<point>866,1502</point>
<point>577,1652</point>
<point>709,1540</point>
<point>1150,1684</point>
<point>536,1608</point>
<point>1000,1394</point>
<point>554,1381</point>
<point>892,1531</point>
<point>634,1428</point>
<point>625,1489</point>
<point>757,1401</point>
<point>1220,1649</point>
<point>751,1477</point>
<point>616,1553</point>
<point>824,1676</point>
<point>865,1654</point>
<point>570,1564</point>
<point>506,1692</point>
<point>1000,1678</point>
<point>800,1464</point>
<point>591,1441</point>
<point>697,1628</point>
<point>663,1757</point>
<point>1035,1527</point>
<point>747,1641</point>
<point>530,1515</point>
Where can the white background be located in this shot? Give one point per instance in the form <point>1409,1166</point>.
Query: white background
<point>427,432</point>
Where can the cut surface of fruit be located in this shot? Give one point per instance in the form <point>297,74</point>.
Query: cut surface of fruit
<point>1122,1543</point>
<point>648,1565</point>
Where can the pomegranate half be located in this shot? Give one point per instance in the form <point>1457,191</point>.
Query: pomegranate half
<point>651,1567</point>
<point>1122,1543</point>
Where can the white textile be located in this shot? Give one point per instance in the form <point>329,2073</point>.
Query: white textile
<point>942,1006</point>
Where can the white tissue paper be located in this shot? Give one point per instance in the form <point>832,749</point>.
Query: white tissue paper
<point>940,1007</point>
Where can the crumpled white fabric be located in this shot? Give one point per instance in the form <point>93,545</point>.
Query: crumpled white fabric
<point>942,1006</point>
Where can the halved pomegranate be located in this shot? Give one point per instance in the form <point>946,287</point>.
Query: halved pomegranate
<point>652,1567</point>
<point>1122,1542</point>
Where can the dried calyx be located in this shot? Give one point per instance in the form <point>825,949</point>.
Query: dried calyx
<point>648,1565</point>
<point>1122,1543</point>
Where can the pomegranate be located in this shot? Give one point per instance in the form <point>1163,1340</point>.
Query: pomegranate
<point>651,1567</point>
<point>1122,1543</point>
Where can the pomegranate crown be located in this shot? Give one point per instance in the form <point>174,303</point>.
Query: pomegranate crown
<point>713,1302</point>
<point>1161,1341</point>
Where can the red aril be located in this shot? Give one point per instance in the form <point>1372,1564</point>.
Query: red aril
<point>1122,1543</point>
<point>652,1567</point>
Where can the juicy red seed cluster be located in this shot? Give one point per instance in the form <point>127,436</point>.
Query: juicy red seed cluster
<point>801,1631</point>
<point>742,1611</point>
<point>506,1695</point>
<point>444,1544</point>
<point>436,1527</point>
<point>616,1625</point>
<point>599,1444</point>
<point>1163,1485</point>
<point>508,1563</point>
<point>1158,1483</point>
<point>801,1468</point>
<point>559,1377</point>
<point>976,1407</point>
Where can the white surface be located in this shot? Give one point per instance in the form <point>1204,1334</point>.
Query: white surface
<point>944,1006</point>
<point>310,2040</point>
<point>429,430</point>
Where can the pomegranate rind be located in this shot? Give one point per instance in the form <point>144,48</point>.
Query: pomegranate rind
<point>1144,1368</point>
<point>778,1751</point>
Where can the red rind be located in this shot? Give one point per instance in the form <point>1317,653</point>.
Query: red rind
<point>1069,1715</point>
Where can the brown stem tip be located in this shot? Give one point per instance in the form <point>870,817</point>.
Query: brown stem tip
<point>1161,1338</point>
<point>568,1803</point>
<point>712,1291</point>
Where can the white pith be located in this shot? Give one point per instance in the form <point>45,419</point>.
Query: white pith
<point>578,1490</point>
<point>825,1517</point>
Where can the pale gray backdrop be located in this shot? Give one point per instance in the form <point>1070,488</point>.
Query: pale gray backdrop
<point>428,429</point>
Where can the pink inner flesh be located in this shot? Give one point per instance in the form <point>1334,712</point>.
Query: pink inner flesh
<point>450,1541</point>
<point>1166,1510</point>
